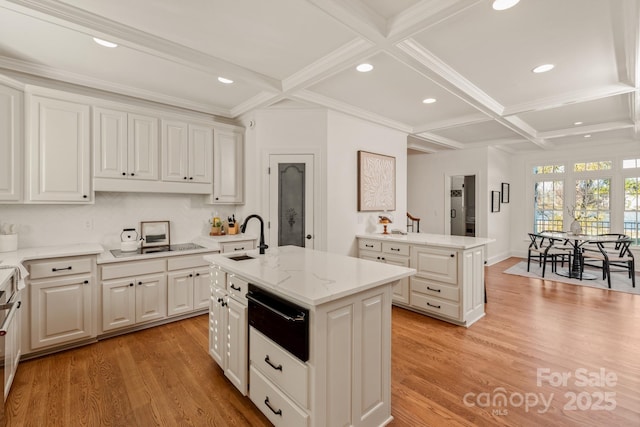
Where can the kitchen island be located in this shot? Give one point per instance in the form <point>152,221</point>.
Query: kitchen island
<point>449,279</point>
<point>346,379</point>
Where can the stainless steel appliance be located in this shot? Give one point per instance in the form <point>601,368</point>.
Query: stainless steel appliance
<point>119,253</point>
<point>285,323</point>
<point>10,302</point>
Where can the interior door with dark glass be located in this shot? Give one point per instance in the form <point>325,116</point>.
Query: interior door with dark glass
<point>291,200</point>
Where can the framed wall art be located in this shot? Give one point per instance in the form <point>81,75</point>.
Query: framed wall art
<point>155,233</point>
<point>376,182</point>
<point>495,201</point>
<point>505,192</point>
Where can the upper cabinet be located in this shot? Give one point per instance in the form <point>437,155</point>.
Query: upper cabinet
<point>58,151</point>
<point>228,167</point>
<point>11,131</point>
<point>125,145</point>
<point>187,152</point>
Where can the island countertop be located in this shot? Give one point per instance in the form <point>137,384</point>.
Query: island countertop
<point>442,240</point>
<point>310,277</point>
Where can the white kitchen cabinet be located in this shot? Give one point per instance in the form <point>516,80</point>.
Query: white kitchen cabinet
<point>228,167</point>
<point>188,290</point>
<point>237,246</point>
<point>390,253</point>
<point>58,151</point>
<point>228,330</point>
<point>133,300</point>
<point>187,152</point>
<point>11,131</point>
<point>61,301</point>
<point>125,145</point>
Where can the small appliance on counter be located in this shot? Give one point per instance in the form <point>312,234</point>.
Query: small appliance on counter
<point>129,240</point>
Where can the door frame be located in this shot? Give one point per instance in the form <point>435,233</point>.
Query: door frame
<point>319,193</point>
<point>447,201</point>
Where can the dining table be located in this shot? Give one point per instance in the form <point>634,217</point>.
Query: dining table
<point>577,241</point>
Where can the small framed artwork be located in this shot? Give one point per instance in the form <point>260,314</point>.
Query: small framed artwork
<point>495,201</point>
<point>505,192</point>
<point>155,233</point>
<point>376,182</point>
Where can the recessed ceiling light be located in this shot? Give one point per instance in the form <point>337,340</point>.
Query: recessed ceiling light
<point>104,42</point>
<point>577,123</point>
<point>429,101</point>
<point>364,68</point>
<point>225,81</point>
<point>587,136</point>
<point>504,4</point>
<point>543,68</point>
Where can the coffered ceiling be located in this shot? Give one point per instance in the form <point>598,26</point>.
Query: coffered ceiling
<point>476,62</point>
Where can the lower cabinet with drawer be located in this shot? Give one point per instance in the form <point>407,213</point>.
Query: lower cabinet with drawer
<point>448,284</point>
<point>129,299</point>
<point>237,246</point>
<point>61,295</point>
<point>390,253</point>
<point>188,282</point>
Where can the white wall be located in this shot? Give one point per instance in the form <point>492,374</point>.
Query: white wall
<point>498,223</point>
<point>347,135</point>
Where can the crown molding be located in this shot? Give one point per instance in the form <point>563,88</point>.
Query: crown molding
<point>82,80</point>
<point>470,119</point>
<point>333,104</point>
<point>15,84</point>
<point>440,140</point>
<point>583,130</point>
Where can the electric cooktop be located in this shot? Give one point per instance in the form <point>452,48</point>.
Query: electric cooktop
<point>170,248</point>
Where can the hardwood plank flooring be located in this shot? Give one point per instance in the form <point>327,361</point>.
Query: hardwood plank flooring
<point>165,377</point>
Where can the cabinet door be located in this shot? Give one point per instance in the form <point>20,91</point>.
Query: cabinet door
<point>180,292</point>
<point>201,288</point>
<point>237,356</point>
<point>10,144</point>
<point>175,152</point>
<point>142,157</point>
<point>118,304</point>
<point>59,145</point>
<point>436,264</point>
<point>218,326</point>
<point>109,143</point>
<point>151,297</point>
<point>200,154</point>
<point>13,350</point>
<point>60,311</point>
<point>400,289</point>
<point>228,167</point>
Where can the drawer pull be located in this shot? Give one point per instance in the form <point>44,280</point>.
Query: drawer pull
<point>234,288</point>
<point>395,249</point>
<point>277,368</point>
<point>60,269</point>
<point>452,255</point>
<point>239,249</point>
<point>368,246</point>
<point>266,402</point>
<point>434,290</point>
<point>432,305</point>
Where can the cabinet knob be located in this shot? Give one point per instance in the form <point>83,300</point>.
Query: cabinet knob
<point>132,174</point>
<point>139,283</point>
<point>197,274</point>
<point>184,177</point>
<point>217,198</point>
<point>190,275</point>
<point>130,284</point>
<point>84,196</point>
<point>190,177</point>
<point>124,174</point>
<point>85,282</point>
<point>452,255</point>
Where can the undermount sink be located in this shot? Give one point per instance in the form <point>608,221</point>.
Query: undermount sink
<point>240,257</point>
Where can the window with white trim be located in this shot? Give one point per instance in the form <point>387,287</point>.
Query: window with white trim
<point>548,206</point>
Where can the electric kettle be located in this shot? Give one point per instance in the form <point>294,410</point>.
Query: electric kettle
<point>129,241</point>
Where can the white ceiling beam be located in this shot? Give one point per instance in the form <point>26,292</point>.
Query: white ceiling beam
<point>440,140</point>
<point>423,15</point>
<point>470,119</point>
<point>356,16</point>
<point>583,130</point>
<point>625,26</point>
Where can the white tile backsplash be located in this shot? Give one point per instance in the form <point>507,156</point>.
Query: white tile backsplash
<point>102,222</point>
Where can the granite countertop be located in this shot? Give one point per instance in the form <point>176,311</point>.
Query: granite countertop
<point>310,277</point>
<point>442,240</point>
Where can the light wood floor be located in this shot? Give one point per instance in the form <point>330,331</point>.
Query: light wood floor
<point>164,376</point>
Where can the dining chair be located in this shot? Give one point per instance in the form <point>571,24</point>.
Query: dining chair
<point>614,253</point>
<point>543,248</point>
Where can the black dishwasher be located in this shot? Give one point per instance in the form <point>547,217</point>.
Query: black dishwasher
<point>285,323</point>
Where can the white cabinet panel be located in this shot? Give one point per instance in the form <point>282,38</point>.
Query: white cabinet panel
<point>187,152</point>
<point>200,153</point>
<point>228,167</point>
<point>142,146</point>
<point>11,124</point>
<point>58,151</point>
<point>110,143</point>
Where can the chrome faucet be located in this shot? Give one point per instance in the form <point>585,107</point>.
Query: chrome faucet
<point>243,227</point>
